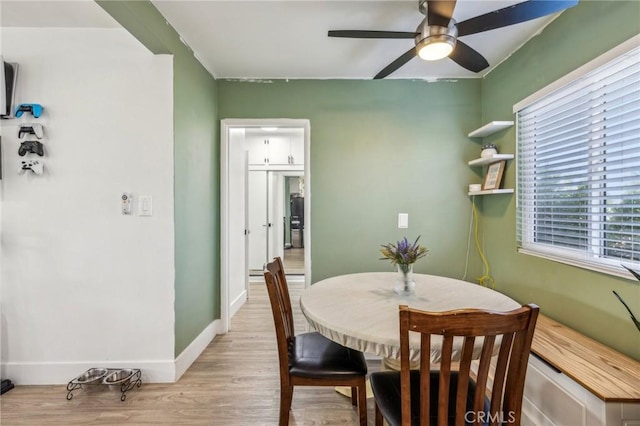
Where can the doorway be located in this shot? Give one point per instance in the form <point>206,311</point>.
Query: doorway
<point>294,224</point>
<point>276,219</point>
<point>262,151</point>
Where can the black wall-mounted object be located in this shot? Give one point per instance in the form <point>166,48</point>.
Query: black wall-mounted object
<point>8,80</point>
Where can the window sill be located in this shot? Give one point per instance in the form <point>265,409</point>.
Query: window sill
<point>603,269</point>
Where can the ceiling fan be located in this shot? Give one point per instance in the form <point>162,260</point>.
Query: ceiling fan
<point>437,35</point>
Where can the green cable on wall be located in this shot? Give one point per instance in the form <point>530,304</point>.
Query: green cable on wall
<point>485,280</point>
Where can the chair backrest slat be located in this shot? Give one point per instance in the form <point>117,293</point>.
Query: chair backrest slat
<point>484,364</point>
<point>466,355</point>
<point>511,332</point>
<point>445,379</point>
<point>518,370</point>
<point>404,367</point>
<point>501,370</point>
<point>425,380</point>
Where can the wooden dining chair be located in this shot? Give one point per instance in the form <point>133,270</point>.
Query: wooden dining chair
<point>461,397</point>
<point>310,359</point>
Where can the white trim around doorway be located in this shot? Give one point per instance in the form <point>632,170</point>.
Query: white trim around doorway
<point>225,214</point>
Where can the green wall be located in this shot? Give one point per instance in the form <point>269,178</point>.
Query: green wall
<point>378,148</point>
<point>196,168</point>
<point>577,297</point>
<point>383,147</point>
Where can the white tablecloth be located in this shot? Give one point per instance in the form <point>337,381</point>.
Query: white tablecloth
<point>361,310</point>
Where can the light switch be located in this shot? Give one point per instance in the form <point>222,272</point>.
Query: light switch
<point>403,220</point>
<point>145,205</point>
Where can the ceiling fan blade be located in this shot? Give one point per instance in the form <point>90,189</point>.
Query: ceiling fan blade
<point>468,57</point>
<point>440,12</point>
<point>515,14</point>
<point>371,34</point>
<point>393,66</point>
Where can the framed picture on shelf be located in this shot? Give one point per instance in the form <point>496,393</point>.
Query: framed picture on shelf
<point>493,176</point>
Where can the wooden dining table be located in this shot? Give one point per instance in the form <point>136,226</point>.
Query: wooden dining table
<point>360,311</point>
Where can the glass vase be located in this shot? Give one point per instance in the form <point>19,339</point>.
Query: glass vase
<point>405,285</point>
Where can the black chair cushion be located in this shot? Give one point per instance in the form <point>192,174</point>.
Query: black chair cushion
<point>386,390</point>
<point>313,355</point>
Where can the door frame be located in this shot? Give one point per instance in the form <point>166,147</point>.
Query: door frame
<point>226,216</point>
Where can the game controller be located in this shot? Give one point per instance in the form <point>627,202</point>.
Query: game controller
<point>34,109</point>
<point>33,147</point>
<point>31,129</point>
<point>34,165</point>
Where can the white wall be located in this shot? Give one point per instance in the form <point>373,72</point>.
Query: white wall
<point>82,285</point>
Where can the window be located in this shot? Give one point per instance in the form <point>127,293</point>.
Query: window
<point>579,168</point>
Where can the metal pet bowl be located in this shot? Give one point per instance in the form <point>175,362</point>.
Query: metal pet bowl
<point>118,376</point>
<point>91,375</point>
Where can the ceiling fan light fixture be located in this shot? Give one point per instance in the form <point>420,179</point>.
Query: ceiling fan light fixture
<point>436,47</point>
<point>435,42</point>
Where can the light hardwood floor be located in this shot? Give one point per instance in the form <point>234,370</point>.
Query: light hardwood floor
<point>234,382</point>
<point>293,261</point>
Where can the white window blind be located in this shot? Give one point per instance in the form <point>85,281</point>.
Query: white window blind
<point>579,169</point>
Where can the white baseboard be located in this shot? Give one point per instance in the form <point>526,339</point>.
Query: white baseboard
<point>168,371</point>
<point>63,372</point>
<point>193,351</point>
<point>237,303</point>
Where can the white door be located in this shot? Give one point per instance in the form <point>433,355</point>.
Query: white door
<point>258,219</point>
<point>245,221</point>
<point>238,270</point>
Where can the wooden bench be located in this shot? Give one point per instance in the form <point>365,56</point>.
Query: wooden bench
<point>574,380</point>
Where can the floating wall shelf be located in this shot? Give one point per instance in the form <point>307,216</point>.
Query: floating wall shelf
<point>488,160</point>
<point>491,128</point>
<point>493,191</point>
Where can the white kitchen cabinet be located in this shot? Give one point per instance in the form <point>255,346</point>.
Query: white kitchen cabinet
<point>275,150</point>
<point>297,149</point>
<point>258,149</point>
<point>279,150</point>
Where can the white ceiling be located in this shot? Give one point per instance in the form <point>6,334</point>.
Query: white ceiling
<point>288,39</point>
<point>54,14</point>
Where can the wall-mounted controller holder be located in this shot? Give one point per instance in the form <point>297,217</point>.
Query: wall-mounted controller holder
<point>126,203</point>
<point>31,129</point>
<point>34,109</point>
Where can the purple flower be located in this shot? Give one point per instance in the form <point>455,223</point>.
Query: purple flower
<point>403,253</point>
